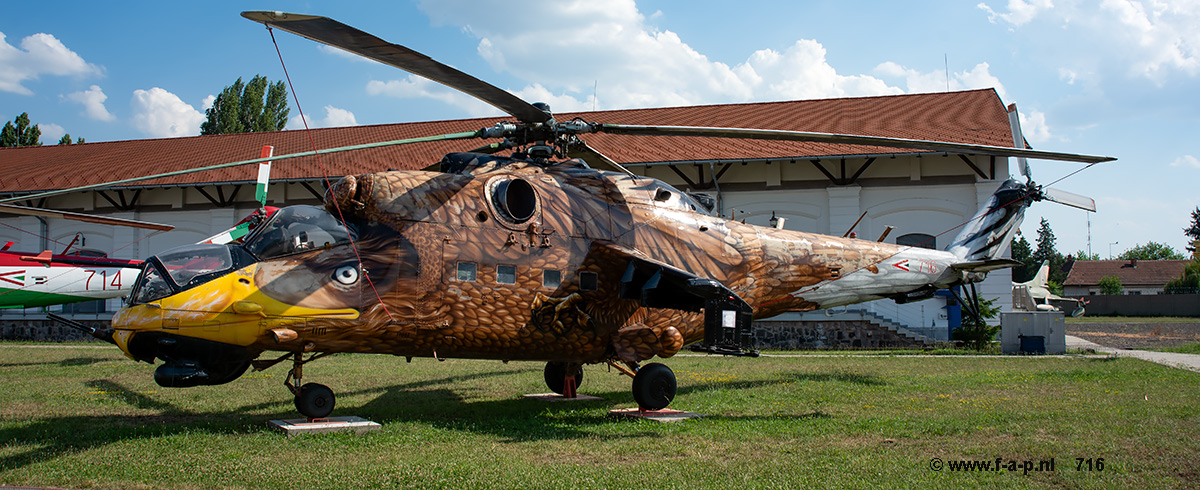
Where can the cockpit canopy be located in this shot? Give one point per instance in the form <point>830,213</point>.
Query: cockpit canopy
<point>181,268</point>
<point>296,229</point>
<point>291,230</point>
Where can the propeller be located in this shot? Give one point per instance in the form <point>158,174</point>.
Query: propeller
<point>1044,193</point>
<point>536,123</point>
<point>1070,199</point>
<point>331,32</point>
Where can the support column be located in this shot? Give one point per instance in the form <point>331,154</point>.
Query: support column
<point>844,208</point>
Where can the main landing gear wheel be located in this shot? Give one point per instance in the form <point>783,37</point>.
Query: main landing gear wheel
<point>556,375</point>
<point>654,386</point>
<point>315,400</point>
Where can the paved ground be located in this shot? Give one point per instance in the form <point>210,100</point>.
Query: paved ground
<point>1183,361</point>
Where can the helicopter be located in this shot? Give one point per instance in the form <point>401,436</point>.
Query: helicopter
<point>536,247</point>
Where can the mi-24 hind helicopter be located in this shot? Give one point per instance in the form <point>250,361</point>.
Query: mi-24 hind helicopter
<point>554,253</point>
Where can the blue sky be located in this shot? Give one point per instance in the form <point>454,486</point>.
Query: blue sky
<point>1114,77</point>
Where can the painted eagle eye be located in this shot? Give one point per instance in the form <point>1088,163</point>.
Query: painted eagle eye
<point>346,274</point>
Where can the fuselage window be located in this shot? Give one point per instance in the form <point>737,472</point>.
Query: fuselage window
<point>551,279</point>
<point>506,274</point>
<point>588,281</point>
<point>466,271</point>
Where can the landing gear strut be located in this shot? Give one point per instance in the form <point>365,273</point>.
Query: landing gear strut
<point>313,400</point>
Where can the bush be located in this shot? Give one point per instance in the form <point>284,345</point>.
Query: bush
<point>1110,285</point>
<point>976,333</point>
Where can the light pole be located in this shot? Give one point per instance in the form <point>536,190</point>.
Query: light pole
<point>1110,249</point>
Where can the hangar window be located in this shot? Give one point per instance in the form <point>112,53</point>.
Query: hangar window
<point>917,240</point>
<point>466,271</point>
<point>506,274</point>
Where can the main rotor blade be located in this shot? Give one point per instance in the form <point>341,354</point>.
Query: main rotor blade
<point>595,159</point>
<point>328,31</point>
<point>423,139</point>
<point>88,218</point>
<point>846,139</point>
<point>1069,199</point>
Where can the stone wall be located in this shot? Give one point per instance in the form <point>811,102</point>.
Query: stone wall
<point>833,334</point>
<point>45,330</point>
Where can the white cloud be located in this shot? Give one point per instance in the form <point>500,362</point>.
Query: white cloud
<point>1165,33</point>
<point>51,133</point>
<point>1019,12</point>
<point>207,103</point>
<point>1186,161</point>
<point>611,45</point>
<point>39,54</point>
<point>936,81</point>
<point>159,113</point>
<point>1145,38</point>
<point>1033,126</point>
<point>415,86</point>
<point>92,100</point>
<point>334,117</point>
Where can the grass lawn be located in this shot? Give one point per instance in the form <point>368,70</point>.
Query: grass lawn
<point>1193,348</point>
<point>83,416</point>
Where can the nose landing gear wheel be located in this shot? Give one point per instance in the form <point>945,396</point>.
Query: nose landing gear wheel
<point>315,401</point>
<point>654,386</point>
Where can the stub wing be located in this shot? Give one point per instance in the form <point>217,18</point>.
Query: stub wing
<point>657,284</point>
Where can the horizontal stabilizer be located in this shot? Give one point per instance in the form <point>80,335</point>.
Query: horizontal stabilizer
<point>985,265</point>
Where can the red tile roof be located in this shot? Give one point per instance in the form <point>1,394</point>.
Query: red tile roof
<point>974,116</point>
<point>1145,273</point>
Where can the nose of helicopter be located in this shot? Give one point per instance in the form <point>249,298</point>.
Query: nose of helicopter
<point>228,308</point>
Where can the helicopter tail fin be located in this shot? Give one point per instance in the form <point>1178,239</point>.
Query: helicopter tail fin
<point>988,235</point>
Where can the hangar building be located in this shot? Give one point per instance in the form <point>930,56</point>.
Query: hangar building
<point>818,187</point>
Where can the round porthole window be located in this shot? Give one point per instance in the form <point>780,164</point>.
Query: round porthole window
<point>515,199</point>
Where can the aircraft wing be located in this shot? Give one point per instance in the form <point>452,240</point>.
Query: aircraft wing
<point>657,284</point>
<point>985,265</point>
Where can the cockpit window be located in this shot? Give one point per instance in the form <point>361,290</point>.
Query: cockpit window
<point>185,263</point>
<point>151,286</point>
<point>180,268</point>
<point>296,229</point>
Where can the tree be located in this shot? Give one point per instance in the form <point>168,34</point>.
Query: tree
<point>1045,252</point>
<point>1081,255</point>
<point>248,107</point>
<point>66,140</point>
<point>20,134</point>
<point>1110,285</point>
<point>1186,283</point>
<point>1151,251</point>
<point>1023,253</point>
<point>1193,231</point>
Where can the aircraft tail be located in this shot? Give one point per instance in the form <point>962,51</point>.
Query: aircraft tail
<point>989,233</point>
